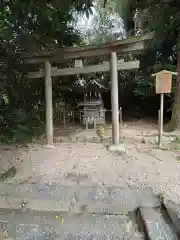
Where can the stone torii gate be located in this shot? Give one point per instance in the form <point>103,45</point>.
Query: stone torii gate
<point>130,45</point>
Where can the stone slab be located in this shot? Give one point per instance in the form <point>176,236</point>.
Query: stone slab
<point>47,205</point>
<point>110,208</point>
<point>10,203</point>
<point>40,191</point>
<point>120,148</point>
<point>173,211</point>
<point>47,146</point>
<point>50,196</point>
<point>155,225</point>
<point>77,226</point>
<point>97,226</point>
<point>134,197</point>
<point>147,198</point>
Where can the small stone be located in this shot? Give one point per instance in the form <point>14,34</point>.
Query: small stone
<point>143,141</point>
<point>49,146</point>
<point>25,201</point>
<point>120,148</point>
<point>75,166</point>
<point>164,148</point>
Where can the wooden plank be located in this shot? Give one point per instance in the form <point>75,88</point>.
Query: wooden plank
<point>86,70</point>
<point>126,45</point>
<point>164,71</point>
<point>160,119</point>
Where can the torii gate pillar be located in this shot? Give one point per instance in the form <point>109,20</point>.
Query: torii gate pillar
<point>48,102</point>
<point>116,146</point>
<point>114,99</point>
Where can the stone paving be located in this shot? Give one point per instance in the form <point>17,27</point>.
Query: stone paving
<point>87,212</point>
<point>81,212</point>
<point>140,166</point>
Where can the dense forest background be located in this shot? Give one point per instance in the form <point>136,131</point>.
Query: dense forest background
<point>51,24</point>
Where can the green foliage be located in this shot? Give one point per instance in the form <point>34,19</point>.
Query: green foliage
<point>127,9</point>
<point>27,27</point>
<point>43,24</point>
<point>105,26</point>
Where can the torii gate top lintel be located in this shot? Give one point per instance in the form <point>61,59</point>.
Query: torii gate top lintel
<point>128,45</point>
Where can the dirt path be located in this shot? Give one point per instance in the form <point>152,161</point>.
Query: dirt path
<point>142,164</point>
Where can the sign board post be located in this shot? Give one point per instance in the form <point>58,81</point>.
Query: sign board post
<point>161,118</point>
<point>163,85</point>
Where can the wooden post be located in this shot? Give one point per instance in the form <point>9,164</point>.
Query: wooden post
<point>73,116</point>
<point>114,99</point>
<point>95,124</point>
<point>87,121</point>
<point>64,118</point>
<point>49,108</point>
<point>80,116</point>
<point>161,120</point>
<point>159,131</point>
<point>120,116</point>
<point>120,122</point>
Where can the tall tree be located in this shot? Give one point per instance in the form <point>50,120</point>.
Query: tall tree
<point>36,25</point>
<point>162,17</point>
<point>106,24</point>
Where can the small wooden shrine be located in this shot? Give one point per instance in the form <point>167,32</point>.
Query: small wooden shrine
<point>93,106</point>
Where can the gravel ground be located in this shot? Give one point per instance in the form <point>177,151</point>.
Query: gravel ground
<point>141,166</point>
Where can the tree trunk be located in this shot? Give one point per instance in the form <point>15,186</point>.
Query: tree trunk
<point>175,118</point>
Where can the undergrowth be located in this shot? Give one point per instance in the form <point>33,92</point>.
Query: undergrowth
<point>176,148</point>
<point>21,133</point>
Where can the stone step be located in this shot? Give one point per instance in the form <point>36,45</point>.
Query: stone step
<point>173,210</point>
<point>154,225</point>
<point>84,226</point>
<point>85,194</point>
<point>86,212</point>
<point>116,201</point>
<point>90,226</point>
<point>10,203</point>
<point>98,207</point>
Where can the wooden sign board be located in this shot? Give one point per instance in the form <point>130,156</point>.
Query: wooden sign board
<point>163,82</point>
